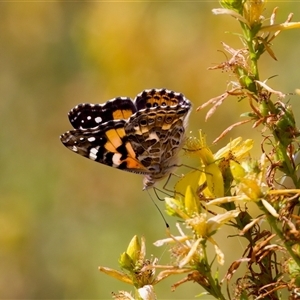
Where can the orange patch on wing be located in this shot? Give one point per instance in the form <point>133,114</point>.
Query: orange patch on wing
<point>166,126</point>
<point>144,130</point>
<point>110,147</point>
<point>157,98</point>
<point>121,132</point>
<point>114,140</point>
<point>130,150</point>
<point>122,114</point>
<point>134,164</point>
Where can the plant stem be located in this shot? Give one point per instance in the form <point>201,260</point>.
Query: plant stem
<point>273,223</point>
<point>250,44</point>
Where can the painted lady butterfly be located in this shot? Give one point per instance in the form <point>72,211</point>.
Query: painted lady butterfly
<point>142,136</point>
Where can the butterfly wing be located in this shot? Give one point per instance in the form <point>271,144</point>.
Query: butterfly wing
<point>84,116</point>
<point>106,144</point>
<point>156,135</point>
<point>156,131</point>
<point>161,98</point>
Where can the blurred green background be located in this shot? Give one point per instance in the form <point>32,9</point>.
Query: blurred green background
<point>62,215</point>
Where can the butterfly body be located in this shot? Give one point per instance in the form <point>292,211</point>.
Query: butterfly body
<point>142,136</point>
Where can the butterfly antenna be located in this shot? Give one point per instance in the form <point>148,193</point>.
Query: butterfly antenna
<point>166,223</point>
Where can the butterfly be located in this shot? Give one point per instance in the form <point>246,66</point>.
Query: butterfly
<point>142,136</point>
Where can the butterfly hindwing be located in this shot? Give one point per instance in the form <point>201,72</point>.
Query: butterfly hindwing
<point>158,98</point>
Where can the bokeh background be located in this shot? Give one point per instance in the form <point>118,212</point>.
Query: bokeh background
<point>61,216</point>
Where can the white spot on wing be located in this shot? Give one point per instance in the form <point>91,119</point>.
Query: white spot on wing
<point>116,159</point>
<point>93,153</point>
<point>91,139</point>
<point>98,120</point>
<point>74,148</point>
<point>88,117</point>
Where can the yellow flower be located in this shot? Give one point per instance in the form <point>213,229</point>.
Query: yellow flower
<point>211,176</point>
<point>188,250</point>
<point>249,179</point>
<point>253,11</point>
<point>138,270</point>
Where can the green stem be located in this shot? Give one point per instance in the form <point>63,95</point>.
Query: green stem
<point>214,286</point>
<point>253,55</point>
<point>288,169</point>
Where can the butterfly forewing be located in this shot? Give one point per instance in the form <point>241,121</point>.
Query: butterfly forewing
<point>86,115</point>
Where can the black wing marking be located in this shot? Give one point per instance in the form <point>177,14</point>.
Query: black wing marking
<point>86,115</point>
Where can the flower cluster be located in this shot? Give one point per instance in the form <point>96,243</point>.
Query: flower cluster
<point>219,190</point>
